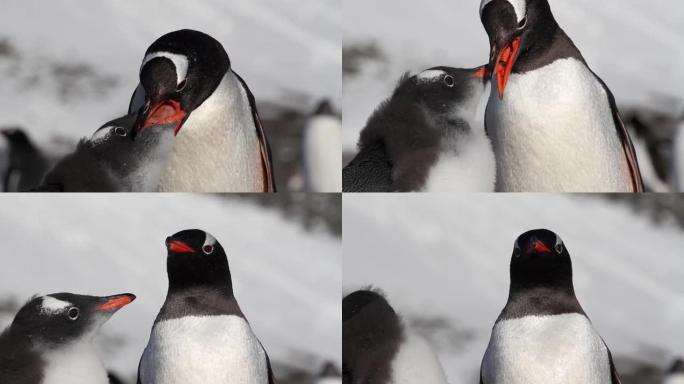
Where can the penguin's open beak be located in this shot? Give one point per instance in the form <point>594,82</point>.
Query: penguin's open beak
<point>114,303</point>
<point>537,246</point>
<point>177,246</point>
<point>162,112</point>
<point>504,53</point>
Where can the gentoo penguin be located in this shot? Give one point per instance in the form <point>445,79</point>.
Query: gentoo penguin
<point>554,124</point>
<point>377,348</point>
<point>424,138</point>
<point>113,160</point>
<point>678,158</point>
<point>322,150</point>
<point>675,375</point>
<point>200,334</point>
<point>27,164</point>
<point>543,335</point>
<point>50,340</point>
<point>186,79</point>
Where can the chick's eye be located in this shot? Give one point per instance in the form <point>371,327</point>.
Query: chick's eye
<point>73,313</point>
<point>208,249</point>
<point>449,81</point>
<point>119,131</point>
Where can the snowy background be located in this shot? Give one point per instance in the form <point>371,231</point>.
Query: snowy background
<point>68,66</point>
<point>287,279</point>
<point>635,46</point>
<point>443,263</point>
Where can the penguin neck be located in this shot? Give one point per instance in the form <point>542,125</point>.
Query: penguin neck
<point>542,297</point>
<point>217,149</point>
<point>186,279</point>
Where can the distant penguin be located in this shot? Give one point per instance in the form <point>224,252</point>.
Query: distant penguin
<point>27,164</point>
<point>323,150</point>
<point>543,335</point>
<point>678,159</point>
<point>424,138</point>
<point>554,124</point>
<point>675,375</point>
<point>50,340</point>
<point>377,348</point>
<point>186,79</point>
<point>200,334</point>
<point>113,160</point>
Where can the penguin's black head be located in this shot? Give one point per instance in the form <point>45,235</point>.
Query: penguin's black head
<point>355,302</point>
<point>194,259</point>
<point>16,136</point>
<point>180,70</point>
<point>444,92</point>
<point>540,259</point>
<point>511,26</point>
<point>62,318</point>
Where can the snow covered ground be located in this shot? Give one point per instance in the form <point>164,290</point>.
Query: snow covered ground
<point>635,46</point>
<point>287,280</point>
<point>443,262</point>
<point>73,65</point>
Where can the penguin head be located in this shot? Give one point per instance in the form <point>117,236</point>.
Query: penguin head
<point>357,301</point>
<point>16,136</point>
<point>62,318</point>
<point>509,25</point>
<point>178,73</point>
<point>196,258</point>
<point>444,91</point>
<point>540,258</point>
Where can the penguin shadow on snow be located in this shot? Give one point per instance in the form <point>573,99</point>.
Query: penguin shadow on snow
<point>424,138</point>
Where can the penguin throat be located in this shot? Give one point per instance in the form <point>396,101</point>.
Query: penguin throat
<point>504,64</point>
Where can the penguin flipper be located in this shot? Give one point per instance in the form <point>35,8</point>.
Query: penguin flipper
<point>623,134</point>
<point>369,171</point>
<point>271,378</point>
<point>614,377</point>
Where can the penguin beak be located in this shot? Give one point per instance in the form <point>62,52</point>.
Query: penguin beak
<point>481,73</point>
<point>537,246</point>
<point>178,246</point>
<point>162,112</point>
<point>501,61</point>
<point>114,303</point>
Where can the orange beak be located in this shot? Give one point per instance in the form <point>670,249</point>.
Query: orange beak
<point>179,247</point>
<point>116,302</point>
<point>166,112</point>
<point>504,64</point>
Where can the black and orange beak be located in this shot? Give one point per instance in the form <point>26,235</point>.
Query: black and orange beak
<point>537,246</point>
<point>177,246</point>
<point>501,61</point>
<point>162,112</point>
<point>114,303</point>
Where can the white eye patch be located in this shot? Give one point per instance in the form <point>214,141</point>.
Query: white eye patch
<point>559,241</point>
<point>51,305</point>
<point>209,240</point>
<point>180,62</point>
<point>519,6</point>
<point>430,75</point>
<point>101,134</point>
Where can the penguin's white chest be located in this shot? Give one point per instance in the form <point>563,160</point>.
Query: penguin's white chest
<point>546,349</point>
<point>203,350</point>
<point>554,131</point>
<point>217,149</point>
<point>322,158</point>
<point>415,362</point>
<point>76,364</point>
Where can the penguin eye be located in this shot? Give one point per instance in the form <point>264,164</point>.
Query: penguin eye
<point>120,131</point>
<point>523,23</point>
<point>182,85</point>
<point>559,248</point>
<point>208,249</point>
<point>449,81</point>
<point>73,313</point>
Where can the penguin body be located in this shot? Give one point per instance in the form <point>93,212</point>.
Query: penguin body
<point>186,79</point>
<point>379,349</point>
<point>554,124</point>
<point>112,160</point>
<point>322,157</point>
<point>543,335</point>
<point>200,334</point>
<point>424,138</point>
<point>26,165</point>
<point>678,159</point>
<point>50,340</point>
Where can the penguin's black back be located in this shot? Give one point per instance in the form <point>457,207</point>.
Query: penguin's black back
<point>19,363</point>
<point>371,335</point>
<point>369,171</point>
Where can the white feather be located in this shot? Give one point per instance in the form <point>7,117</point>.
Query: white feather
<point>76,363</point>
<point>180,62</point>
<point>546,349</point>
<point>217,149</point>
<point>322,154</point>
<point>430,75</point>
<point>206,350</point>
<point>415,362</point>
<point>50,305</point>
<point>554,132</point>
